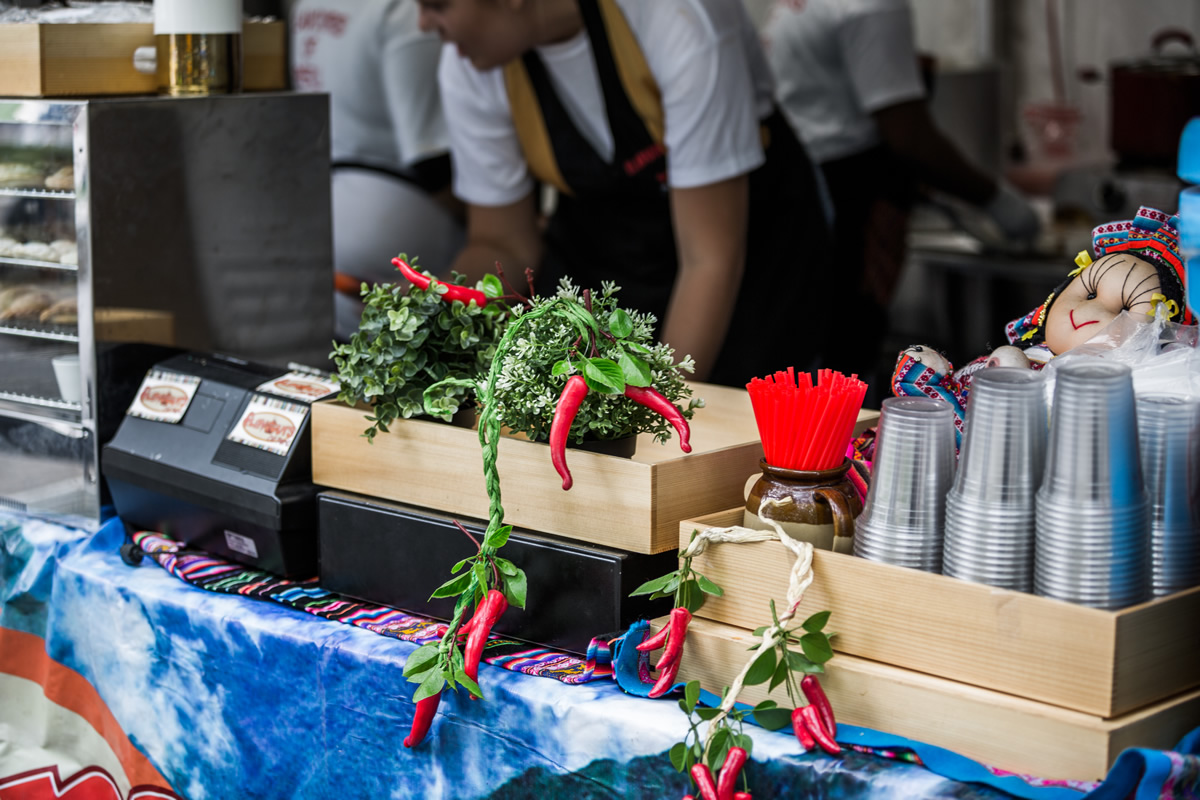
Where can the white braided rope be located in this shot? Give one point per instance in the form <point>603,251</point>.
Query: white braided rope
<point>799,580</point>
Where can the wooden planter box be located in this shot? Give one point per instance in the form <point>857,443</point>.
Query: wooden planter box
<point>75,60</point>
<point>633,504</point>
<point>1101,663</point>
<point>1012,733</point>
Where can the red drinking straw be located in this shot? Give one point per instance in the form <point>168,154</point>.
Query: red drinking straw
<point>806,426</point>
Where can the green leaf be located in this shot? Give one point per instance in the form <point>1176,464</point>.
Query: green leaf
<point>707,713</point>
<point>560,367</point>
<point>759,631</point>
<point>816,622</point>
<point>453,587</point>
<point>619,324</point>
<point>635,371</point>
<point>514,589</point>
<point>656,585</point>
<point>505,566</point>
<point>798,663</point>
<point>708,587</point>
<point>816,647</point>
<point>765,704</point>
<point>432,684</point>
<point>603,375</point>
<point>762,669</point>
<point>454,570</point>
<point>492,287</point>
<point>691,596</point>
<point>781,673</point>
<point>719,746</point>
<point>691,695</point>
<point>678,756</point>
<point>422,659</point>
<point>773,718</point>
<point>465,680</point>
<point>497,538</point>
<point>745,742</point>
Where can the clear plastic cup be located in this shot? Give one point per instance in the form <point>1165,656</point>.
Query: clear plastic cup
<point>1169,431</point>
<point>902,521</point>
<point>1092,523</point>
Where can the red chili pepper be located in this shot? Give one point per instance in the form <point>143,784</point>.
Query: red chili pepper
<point>801,730</point>
<point>816,696</point>
<point>668,664</point>
<point>656,641</point>
<point>812,719</point>
<point>490,608</point>
<point>422,719</point>
<point>704,781</point>
<point>742,796</point>
<point>735,759</point>
<point>453,291</point>
<point>564,414</point>
<point>654,401</point>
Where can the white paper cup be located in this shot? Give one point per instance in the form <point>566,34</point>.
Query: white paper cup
<point>66,372</point>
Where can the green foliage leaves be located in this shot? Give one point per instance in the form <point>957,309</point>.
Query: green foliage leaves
<point>409,339</point>
<point>552,347</point>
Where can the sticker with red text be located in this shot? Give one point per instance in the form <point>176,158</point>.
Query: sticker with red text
<point>269,423</point>
<point>163,396</point>
<point>302,386</point>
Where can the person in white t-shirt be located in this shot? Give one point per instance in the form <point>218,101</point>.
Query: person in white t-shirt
<point>849,82</point>
<point>677,177</point>
<point>390,159</point>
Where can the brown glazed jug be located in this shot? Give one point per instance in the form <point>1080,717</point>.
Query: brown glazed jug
<point>824,505</point>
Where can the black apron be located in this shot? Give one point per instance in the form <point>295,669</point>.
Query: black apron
<point>613,218</point>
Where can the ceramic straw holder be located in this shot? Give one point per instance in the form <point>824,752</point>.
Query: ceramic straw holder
<point>822,510</point>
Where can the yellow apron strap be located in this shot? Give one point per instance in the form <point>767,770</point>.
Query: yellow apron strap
<point>531,126</point>
<point>636,79</point>
<point>639,83</point>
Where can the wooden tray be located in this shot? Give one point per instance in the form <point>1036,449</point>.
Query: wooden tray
<point>45,60</point>
<point>1102,663</point>
<point>1009,732</point>
<point>634,504</point>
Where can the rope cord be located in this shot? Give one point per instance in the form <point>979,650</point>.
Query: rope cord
<point>799,580</point>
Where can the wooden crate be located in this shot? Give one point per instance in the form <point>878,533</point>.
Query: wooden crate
<point>1101,663</point>
<point>74,60</point>
<point>1012,733</point>
<point>634,504</point>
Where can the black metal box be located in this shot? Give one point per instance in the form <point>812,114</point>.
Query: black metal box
<point>397,555</point>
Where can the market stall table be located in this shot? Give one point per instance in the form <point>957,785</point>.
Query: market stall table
<point>112,670</point>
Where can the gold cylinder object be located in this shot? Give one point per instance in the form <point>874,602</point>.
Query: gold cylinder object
<point>199,63</point>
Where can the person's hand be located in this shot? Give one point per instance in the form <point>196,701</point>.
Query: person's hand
<point>1013,214</point>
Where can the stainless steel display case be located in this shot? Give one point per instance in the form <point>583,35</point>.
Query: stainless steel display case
<point>131,226</point>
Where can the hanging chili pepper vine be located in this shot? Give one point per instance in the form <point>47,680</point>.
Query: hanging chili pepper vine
<point>485,581</point>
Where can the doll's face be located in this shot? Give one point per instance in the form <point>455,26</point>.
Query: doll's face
<point>1096,296</point>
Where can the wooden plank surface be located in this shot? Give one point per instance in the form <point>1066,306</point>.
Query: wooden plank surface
<point>1034,647</point>
<point>20,60</point>
<point>94,59</point>
<point>1010,732</point>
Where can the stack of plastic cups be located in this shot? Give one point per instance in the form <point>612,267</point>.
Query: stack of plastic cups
<point>904,517</point>
<point>1092,541</point>
<point>1167,429</point>
<point>989,511</point>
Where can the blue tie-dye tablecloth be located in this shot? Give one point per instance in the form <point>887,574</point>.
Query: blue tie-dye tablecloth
<point>201,695</point>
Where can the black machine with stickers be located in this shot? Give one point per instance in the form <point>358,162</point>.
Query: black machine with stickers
<point>215,452</point>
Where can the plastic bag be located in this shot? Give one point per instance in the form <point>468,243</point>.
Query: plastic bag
<point>1161,353</point>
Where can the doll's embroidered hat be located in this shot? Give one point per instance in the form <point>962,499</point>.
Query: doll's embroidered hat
<point>1152,235</point>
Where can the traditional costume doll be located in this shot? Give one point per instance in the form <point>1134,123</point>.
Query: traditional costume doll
<point>1137,267</point>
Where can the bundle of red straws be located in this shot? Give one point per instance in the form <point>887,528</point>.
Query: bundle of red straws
<point>803,426</point>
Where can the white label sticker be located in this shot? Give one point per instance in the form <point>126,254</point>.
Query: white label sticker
<point>269,424</point>
<point>163,396</point>
<point>302,386</point>
<point>241,544</point>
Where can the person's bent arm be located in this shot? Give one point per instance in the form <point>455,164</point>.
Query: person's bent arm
<point>508,234</point>
<point>710,232</point>
<point>909,132</point>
